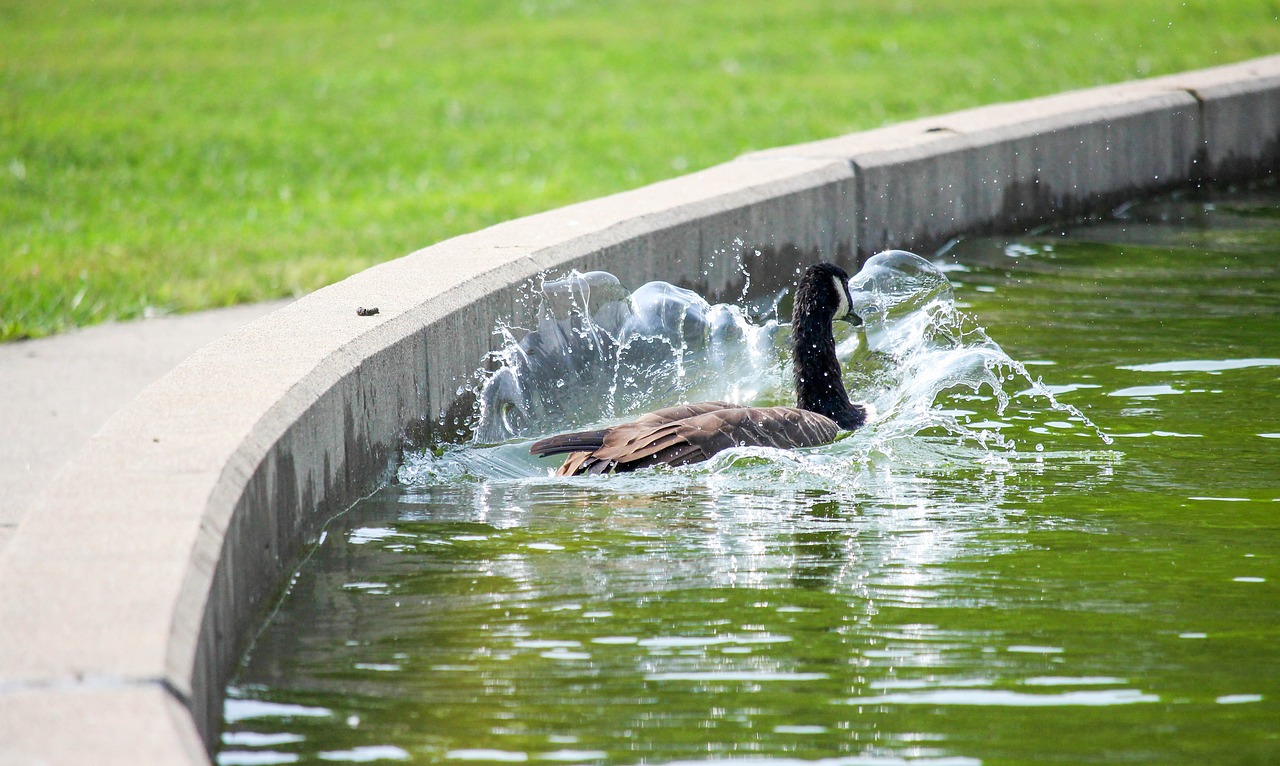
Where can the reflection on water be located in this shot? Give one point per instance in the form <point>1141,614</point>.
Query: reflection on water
<point>980,577</point>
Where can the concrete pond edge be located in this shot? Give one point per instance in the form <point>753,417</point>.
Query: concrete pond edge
<point>127,593</point>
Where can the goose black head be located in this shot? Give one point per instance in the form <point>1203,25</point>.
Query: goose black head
<point>823,293</point>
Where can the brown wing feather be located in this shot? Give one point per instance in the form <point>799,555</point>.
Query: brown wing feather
<point>587,441</point>
<point>683,411</point>
<point>574,464</point>
<point>697,437</point>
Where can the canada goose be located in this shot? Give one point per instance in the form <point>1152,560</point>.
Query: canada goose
<point>692,433</point>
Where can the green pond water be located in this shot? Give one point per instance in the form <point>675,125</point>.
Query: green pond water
<point>981,577</point>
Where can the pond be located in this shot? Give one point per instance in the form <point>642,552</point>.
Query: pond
<point>1059,543</point>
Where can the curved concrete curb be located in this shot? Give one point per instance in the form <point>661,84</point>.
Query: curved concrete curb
<point>125,594</point>
<point>59,391</point>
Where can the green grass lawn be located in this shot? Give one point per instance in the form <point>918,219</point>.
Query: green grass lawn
<point>160,155</point>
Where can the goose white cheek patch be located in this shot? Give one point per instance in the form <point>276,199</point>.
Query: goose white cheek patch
<point>842,310</point>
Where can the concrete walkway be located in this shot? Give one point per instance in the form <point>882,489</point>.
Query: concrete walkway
<point>56,392</point>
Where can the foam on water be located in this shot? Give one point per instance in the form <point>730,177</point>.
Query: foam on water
<point>600,354</point>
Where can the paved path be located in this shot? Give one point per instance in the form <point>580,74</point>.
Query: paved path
<point>56,392</point>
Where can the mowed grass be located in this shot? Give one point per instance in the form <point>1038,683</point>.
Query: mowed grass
<point>170,155</point>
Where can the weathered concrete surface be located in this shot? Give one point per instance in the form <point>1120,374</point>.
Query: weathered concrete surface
<point>46,727</point>
<point>1014,165</point>
<point>58,391</point>
<point>1240,108</point>
<point>192,503</point>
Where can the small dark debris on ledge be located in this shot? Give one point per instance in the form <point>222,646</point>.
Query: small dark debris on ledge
<point>364,312</point>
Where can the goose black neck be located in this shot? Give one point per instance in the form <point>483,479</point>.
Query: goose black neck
<point>818,378</point>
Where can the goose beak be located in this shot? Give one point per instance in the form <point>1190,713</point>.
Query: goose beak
<point>846,312</point>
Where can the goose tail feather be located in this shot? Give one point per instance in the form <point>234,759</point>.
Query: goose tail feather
<point>580,441</point>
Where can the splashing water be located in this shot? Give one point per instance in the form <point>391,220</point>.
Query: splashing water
<point>916,345</point>
<point>599,354</point>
